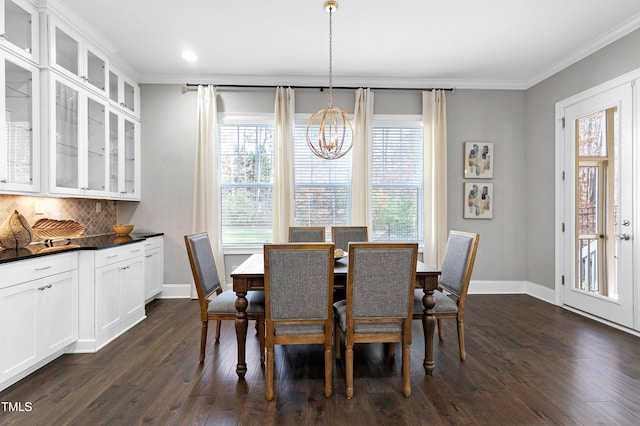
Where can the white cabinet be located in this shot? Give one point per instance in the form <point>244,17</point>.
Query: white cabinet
<point>124,92</point>
<point>20,123</point>
<point>19,28</point>
<point>38,313</point>
<point>112,295</point>
<point>76,58</point>
<point>153,267</point>
<point>79,162</point>
<point>124,152</point>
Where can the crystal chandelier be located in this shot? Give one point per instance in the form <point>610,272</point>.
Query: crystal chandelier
<point>329,130</point>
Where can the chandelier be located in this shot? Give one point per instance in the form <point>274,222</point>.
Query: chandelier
<point>327,134</point>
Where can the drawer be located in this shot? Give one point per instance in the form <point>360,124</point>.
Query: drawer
<point>152,243</point>
<point>22,271</point>
<point>118,254</point>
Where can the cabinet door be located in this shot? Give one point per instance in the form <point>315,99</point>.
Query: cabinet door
<point>57,310</point>
<point>130,159</point>
<point>133,287</point>
<point>108,296</point>
<point>18,330</point>
<point>19,28</point>
<point>19,141</point>
<point>152,273</point>
<point>66,149</point>
<point>96,158</point>
<point>124,93</point>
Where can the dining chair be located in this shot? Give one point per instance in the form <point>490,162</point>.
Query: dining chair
<point>306,234</point>
<point>343,235</point>
<point>216,304</point>
<point>379,303</point>
<point>459,257</point>
<point>298,284</point>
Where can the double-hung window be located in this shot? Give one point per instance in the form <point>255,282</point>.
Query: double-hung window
<point>397,181</point>
<point>246,179</point>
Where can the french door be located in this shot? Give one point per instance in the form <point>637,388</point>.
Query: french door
<point>599,201</point>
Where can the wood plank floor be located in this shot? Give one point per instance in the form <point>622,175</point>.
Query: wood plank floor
<point>528,362</point>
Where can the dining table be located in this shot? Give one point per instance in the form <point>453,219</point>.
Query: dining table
<point>249,276</point>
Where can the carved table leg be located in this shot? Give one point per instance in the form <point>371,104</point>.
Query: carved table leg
<point>429,326</point>
<point>241,332</point>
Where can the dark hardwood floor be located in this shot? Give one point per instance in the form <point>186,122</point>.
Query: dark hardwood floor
<point>528,362</point>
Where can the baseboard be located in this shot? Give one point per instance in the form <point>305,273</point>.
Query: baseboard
<point>512,287</point>
<point>175,291</point>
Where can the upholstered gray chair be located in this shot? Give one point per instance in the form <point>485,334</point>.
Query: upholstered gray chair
<point>298,284</point>
<point>216,304</point>
<point>459,257</point>
<point>306,234</point>
<point>379,303</point>
<point>343,235</point>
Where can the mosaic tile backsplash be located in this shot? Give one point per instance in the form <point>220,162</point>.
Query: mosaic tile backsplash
<point>82,211</point>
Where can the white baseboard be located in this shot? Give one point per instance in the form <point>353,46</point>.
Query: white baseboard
<point>175,291</point>
<point>512,287</point>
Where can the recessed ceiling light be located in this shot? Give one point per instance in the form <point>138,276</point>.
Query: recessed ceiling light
<point>189,56</point>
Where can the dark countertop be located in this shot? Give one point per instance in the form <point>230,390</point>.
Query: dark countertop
<point>95,242</point>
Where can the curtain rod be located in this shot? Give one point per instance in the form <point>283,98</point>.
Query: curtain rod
<point>250,86</point>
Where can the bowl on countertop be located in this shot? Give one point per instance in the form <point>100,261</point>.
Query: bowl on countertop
<point>122,230</point>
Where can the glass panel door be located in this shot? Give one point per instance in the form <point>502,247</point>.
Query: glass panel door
<point>129,157</point>
<point>96,145</point>
<point>18,142</point>
<point>66,142</point>
<point>113,152</point>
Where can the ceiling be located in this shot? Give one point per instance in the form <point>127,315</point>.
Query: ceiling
<point>405,43</point>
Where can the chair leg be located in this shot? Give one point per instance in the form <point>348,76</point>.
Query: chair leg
<point>336,332</point>
<point>218,325</point>
<point>463,354</point>
<point>328,372</point>
<point>269,376</point>
<point>203,339</point>
<point>348,352</point>
<point>260,324</point>
<point>406,370</point>
<point>440,335</point>
<point>392,350</point>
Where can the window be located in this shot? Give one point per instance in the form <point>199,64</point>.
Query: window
<point>246,181</point>
<point>397,189</point>
<point>322,187</point>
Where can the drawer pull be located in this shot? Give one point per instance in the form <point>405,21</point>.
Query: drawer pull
<point>135,251</point>
<point>44,268</point>
<point>44,287</point>
<point>112,256</point>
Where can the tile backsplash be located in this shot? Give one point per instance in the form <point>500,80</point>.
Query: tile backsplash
<point>83,211</point>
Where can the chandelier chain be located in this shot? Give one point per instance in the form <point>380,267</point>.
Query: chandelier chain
<point>330,57</point>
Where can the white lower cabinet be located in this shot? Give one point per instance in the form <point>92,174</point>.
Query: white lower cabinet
<point>112,301</point>
<point>38,313</point>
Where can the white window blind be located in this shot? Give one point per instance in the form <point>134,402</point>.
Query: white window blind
<point>246,183</point>
<point>322,187</point>
<point>397,191</point>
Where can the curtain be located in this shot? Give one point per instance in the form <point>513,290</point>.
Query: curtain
<point>361,159</point>
<point>283,168</point>
<point>206,202</point>
<point>435,176</point>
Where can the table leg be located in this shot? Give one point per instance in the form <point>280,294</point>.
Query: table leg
<point>241,332</point>
<point>429,326</point>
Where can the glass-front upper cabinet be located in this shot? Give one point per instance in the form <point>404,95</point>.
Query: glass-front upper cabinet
<point>19,142</point>
<point>124,146</point>
<point>78,59</point>
<point>19,28</point>
<point>124,93</point>
<point>79,165</point>
<point>131,159</point>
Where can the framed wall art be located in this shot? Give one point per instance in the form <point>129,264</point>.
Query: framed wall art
<point>478,202</point>
<point>478,160</point>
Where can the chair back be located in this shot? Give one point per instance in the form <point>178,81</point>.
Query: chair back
<point>457,265</point>
<point>343,235</point>
<point>203,266</point>
<point>298,281</point>
<point>306,234</point>
<point>381,280</point>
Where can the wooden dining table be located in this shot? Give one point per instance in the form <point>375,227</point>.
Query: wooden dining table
<point>249,276</point>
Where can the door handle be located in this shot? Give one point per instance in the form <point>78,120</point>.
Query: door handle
<point>625,237</point>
